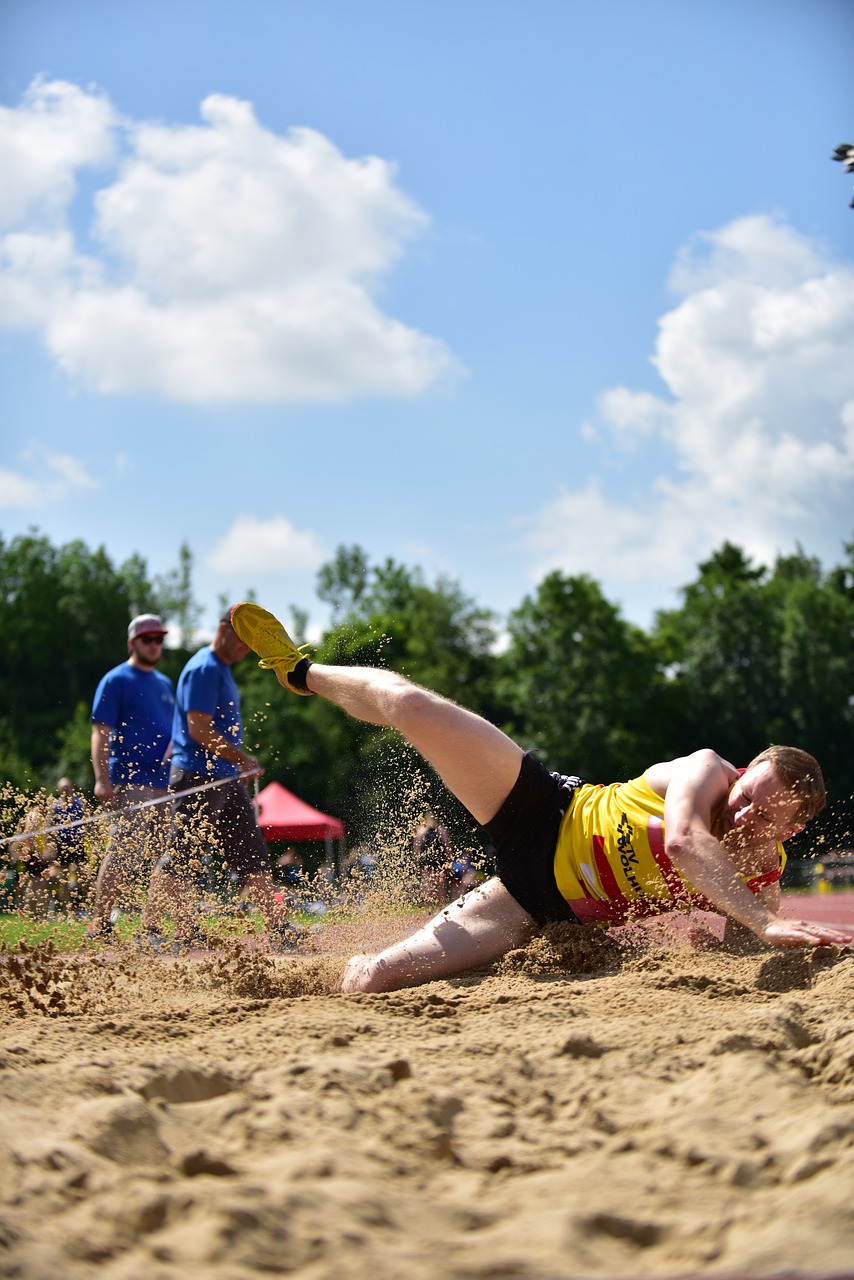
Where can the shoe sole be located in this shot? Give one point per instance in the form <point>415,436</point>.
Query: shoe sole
<point>266,637</point>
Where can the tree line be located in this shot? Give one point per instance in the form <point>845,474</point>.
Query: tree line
<point>752,655</point>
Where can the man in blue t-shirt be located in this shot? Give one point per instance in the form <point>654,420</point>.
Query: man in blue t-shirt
<point>216,820</point>
<point>131,744</point>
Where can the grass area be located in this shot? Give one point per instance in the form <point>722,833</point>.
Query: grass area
<point>66,935</point>
<point>70,935</point>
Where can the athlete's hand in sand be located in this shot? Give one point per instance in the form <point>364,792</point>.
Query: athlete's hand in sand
<point>802,933</point>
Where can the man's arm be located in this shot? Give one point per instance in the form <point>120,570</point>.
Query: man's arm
<point>201,730</point>
<point>695,786</point>
<point>100,752</point>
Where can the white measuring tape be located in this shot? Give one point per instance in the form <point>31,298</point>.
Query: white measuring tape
<point>111,814</point>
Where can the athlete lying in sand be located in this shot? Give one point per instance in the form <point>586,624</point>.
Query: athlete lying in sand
<point>690,832</point>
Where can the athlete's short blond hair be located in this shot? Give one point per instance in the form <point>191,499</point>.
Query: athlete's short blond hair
<point>799,772</point>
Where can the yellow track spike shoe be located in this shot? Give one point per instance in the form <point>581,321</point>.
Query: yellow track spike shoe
<point>266,636</point>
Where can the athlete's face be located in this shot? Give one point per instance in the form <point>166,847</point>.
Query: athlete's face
<point>760,808</point>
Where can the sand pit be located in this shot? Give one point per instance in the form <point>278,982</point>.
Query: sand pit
<point>664,1112</point>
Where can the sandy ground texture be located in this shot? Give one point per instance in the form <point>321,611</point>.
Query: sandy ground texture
<point>581,1110</point>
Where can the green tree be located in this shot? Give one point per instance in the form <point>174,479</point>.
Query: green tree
<point>582,684</point>
<point>390,616</point>
<point>720,649</point>
<point>815,631</point>
<point>63,617</point>
<point>73,742</point>
<point>761,656</point>
<point>844,153</point>
<point>64,613</point>
<point>814,637</point>
<point>172,597</point>
<point>341,583</point>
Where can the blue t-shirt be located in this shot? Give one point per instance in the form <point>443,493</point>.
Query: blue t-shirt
<point>206,684</point>
<point>66,812</point>
<point>137,705</point>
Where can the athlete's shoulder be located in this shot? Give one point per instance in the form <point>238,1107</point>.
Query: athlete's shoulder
<point>703,767</point>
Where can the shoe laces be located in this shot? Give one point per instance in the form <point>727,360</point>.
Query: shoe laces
<point>270,664</point>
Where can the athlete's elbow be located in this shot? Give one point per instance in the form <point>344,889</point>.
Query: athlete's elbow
<point>680,845</point>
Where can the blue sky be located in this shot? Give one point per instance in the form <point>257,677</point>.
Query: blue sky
<point>489,288</point>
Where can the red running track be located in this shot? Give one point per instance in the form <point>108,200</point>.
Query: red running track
<point>824,908</point>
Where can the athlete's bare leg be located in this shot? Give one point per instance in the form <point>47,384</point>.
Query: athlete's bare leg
<point>474,930</point>
<point>480,765</point>
<point>474,759</point>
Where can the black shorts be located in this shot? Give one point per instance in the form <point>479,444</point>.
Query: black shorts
<point>525,831</point>
<point>220,822</point>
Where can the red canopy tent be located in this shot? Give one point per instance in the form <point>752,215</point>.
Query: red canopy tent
<point>283,816</point>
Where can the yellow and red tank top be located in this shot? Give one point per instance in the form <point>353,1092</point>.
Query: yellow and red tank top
<point>610,862</point>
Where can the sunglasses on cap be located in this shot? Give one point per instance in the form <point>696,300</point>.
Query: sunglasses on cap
<point>150,637</point>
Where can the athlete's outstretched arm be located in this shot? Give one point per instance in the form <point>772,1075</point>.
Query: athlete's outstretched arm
<point>696,785</point>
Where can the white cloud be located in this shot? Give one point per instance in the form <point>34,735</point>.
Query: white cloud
<point>58,129</point>
<point>755,440</point>
<point>70,472</point>
<point>264,546</point>
<point>48,478</point>
<point>234,263</point>
<point>632,414</point>
<point>18,491</point>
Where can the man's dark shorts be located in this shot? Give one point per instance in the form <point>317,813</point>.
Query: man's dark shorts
<point>525,831</point>
<point>219,821</point>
